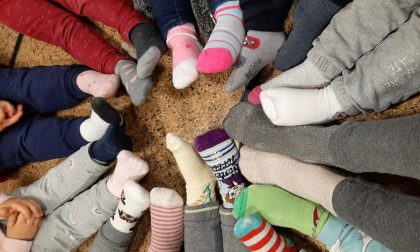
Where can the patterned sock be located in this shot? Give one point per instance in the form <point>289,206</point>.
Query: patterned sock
<point>98,84</point>
<point>293,106</point>
<point>185,50</point>
<point>106,149</point>
<point>129,167</point>
<point>258,235</point>
<point>258,51</point>
<point>225,41</point>
<point>219,151</point>
<point>149,47</point>
<point>281,208</point>
<point>167,219</point>
<point>199,180</point>
<point>138,89</point>
<point>133,202</point>
<point>102,115</point>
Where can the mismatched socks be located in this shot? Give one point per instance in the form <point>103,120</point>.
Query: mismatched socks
<point>98,84</point>
<point>225,41</point>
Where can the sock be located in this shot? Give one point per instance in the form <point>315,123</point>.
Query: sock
<point>185,50</point>
<point>248,125</point>
<point>290,106</point>
<point>310,17</point>
<point>149,47</point>
<point>281,208</point>
<point>106,149</point>
<point>102,115</point>
<point>225,41</point>
<point>258,51</point>
<point>199,180</point>
<point>309,181</point>
<point>220,153</point>
<point>133,202</point>
<point>254,95</point>
<point>167,220</point>
<point>98,84</point>
<point>129,167</point>
<point>138,89</point>
<point>305,75</point>
<point>258,235</point>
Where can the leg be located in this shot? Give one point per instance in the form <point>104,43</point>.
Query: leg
<point>42,89</point>
<point>230,242</point>
<point>62,29</point>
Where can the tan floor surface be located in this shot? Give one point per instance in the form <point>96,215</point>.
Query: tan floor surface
<point>187,113</point>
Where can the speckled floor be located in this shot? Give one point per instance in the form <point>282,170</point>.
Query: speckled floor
<point>188,113</point>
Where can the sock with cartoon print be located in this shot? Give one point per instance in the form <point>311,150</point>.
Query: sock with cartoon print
<point>281,208</point>
<point>219,151</point>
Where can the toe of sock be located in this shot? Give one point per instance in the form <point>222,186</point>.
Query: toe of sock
<point>139,92</point>
<point>106,112</point>
<point>185,74</point>
<point>214,60</point>
<point>147,62</point>
<point>254,96</point>
<point>210,139</point>
<point>173,142</point>
<point>134,162</point>
<point>166,198</point>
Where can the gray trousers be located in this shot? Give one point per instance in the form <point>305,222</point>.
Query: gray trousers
<point>72,213</point>
<point>210,228</point>
<point>110,239</point>
<point>374,45</point>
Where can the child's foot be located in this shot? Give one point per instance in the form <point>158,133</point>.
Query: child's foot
<point>102,115</point>
<point>167,219</point>
<point>185,50</point>
<point>225,41</point>
<point>138,89</point>
<point>98,84</point>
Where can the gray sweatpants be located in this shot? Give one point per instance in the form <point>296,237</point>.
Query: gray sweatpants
<point>210,228</point>
<point>374,44</point>
<point>109,239</point>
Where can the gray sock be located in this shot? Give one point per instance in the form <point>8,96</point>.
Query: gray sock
<point>110,239</point>
<point>138,89</point>
<point>260,49</point>
<point>248,124</point>
<point>149,47</point>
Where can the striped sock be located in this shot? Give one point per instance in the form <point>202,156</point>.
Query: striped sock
<point>225,41</point>
<point>167,219</point>
<point>258,235</point>
<point>219,151</point>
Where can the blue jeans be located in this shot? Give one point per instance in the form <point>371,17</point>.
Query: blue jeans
<point>39,136</point>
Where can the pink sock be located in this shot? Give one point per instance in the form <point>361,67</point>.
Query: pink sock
<point>98,84</point>
<point>185,50</point>
<point>254,95</point>
<point>225,41</point>
<point>129,167</point>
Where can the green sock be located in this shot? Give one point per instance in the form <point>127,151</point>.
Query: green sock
<point>281,208</point>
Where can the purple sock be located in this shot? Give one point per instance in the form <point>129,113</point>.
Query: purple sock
<point>219,151</point>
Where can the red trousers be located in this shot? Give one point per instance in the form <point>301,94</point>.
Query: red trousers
<point>46,21</point>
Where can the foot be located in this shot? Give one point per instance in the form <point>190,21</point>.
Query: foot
<point>98,84</point>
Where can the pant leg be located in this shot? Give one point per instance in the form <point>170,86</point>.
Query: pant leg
<point>390,218</point>
<point>64,181</point>
<point>39,139</point>
<point>340,236</point>
<point>44,21</point>
<point>230,242</point>
<point>202,230</point>
<point>356,30</point>
<point>265,15</point>
<point>74,222</point>
<point>387,75</point>
<point>42,89</point>
<point>119,14</point>
<point>109,239</point>
<point>171,13</point>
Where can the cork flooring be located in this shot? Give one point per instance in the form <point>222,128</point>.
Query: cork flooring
<point>187,113</point>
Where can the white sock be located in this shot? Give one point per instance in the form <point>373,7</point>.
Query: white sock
<point>134,201</point>
<point>93,128</point>
<point>305,75</point>
<point>292,107</point>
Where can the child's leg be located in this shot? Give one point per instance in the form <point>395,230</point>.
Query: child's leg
<point>74,174</point>
<point>227,223</point>
<point>59,27</point>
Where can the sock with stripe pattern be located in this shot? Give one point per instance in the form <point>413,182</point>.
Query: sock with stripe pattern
<point>167,219</point>
<point>225,41</point>
<point>258,235</point>
<point>219,151</point>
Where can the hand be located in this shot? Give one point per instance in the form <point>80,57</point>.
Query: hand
<point>9,115</point>
<point>27,207</point>
<point>21,228</point>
